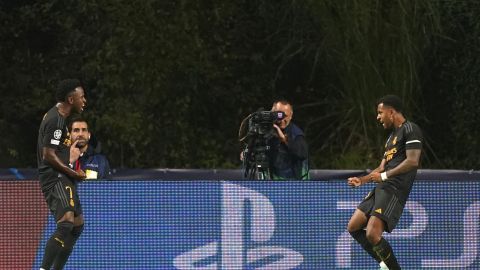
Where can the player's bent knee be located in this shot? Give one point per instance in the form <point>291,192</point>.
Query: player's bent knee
<point>357,222</point>
<point>351,228</point>
<point>67,217</point>
<point>63,233</point>
<point>373,236</point>
<point>78,220</point>
<point>64,228</point>
<point>77,231</point>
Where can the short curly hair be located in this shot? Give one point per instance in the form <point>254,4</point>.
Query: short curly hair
<point>392,101</point>
<point>65,88</point>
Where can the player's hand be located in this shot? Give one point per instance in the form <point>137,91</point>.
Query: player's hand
<point>375,176</point>
<point>78,175</point>
<point>81,175</point>
<point>281,136</point>
<point>354,182</point>
<point>74,152</point>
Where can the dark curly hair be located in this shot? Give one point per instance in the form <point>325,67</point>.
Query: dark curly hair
<point>392,101</point>
<point>75,118</point>
<point>65,88</point>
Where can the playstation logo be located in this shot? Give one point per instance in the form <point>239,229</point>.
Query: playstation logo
<point>241,247</point>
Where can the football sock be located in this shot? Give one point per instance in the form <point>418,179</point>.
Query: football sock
<point>361,237</point>
<point>63,254</point>
<point>56,243</point>
<point>385,252</point>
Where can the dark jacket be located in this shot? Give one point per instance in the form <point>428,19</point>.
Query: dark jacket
<point>94,165</point>
<point>290,161</point>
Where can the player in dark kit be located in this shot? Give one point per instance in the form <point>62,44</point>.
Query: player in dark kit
<point>381,209</point>
<point>57,178</point>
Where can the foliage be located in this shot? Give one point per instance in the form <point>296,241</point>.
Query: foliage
<point>169,81</point>
<point>451,87</point>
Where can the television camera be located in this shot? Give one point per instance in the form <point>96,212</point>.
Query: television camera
<point>257,129</point>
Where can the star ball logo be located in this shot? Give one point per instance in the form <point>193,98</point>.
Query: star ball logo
<point>232,248</point>
<point>57,134</point>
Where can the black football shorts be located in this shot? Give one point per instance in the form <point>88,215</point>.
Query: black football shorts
<point>63,197</point>
<point>384,205</point>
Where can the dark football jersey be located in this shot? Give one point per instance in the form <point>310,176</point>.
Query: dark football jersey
<point>408,136</point>
<point>53,133</point>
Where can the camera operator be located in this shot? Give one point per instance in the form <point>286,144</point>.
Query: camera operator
<point>288,149</point>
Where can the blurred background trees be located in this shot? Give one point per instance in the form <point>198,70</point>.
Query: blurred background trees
<point>169,82</point>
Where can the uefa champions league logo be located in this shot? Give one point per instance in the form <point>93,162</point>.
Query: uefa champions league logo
<point>232,247</point>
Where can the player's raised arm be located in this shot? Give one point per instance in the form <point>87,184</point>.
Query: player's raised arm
<point>52,159</point>
<point>410,163</point>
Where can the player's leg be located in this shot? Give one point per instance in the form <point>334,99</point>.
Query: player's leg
<point>78,227</point>
<point>64,254</point>
<point>58,200</point>
<point>382,248</point>
<point>355,227</point>
<point>78,222</point>
<point>59,240</point>
<point>384,217</point>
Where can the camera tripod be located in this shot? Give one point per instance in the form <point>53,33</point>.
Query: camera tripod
<point>257,164</point>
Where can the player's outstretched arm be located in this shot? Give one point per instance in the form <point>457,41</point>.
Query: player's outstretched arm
<point>371,177</point>
<point>354,181</point>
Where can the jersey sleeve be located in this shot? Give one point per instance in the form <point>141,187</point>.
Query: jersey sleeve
<point>413,137</point>
<point>52,133</point>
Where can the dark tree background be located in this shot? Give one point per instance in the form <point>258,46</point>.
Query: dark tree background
<point>169,82</point>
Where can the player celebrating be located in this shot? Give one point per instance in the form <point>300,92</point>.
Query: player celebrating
<point>57,177</point>
<point>381,209</point>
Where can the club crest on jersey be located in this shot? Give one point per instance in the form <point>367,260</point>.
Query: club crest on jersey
<point>57,134</point>
<point>389,154</point>
<point>67,142</point>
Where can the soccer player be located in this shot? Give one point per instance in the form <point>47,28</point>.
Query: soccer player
<point>57,177</point>
<point>381,209</point>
